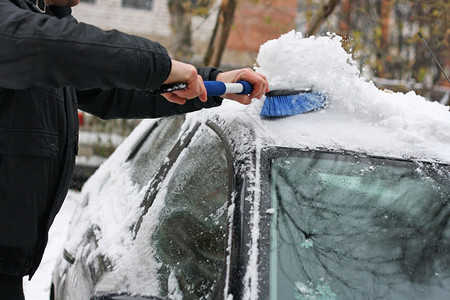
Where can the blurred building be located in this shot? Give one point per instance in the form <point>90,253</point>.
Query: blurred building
<point>256,21</point>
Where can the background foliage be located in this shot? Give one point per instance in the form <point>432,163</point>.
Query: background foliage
<point>383,37</point>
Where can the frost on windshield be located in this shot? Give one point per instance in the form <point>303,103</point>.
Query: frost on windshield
<point>353,227</point>
<point>154,148</point>
<point>190,239</point>
<point>320,291</point>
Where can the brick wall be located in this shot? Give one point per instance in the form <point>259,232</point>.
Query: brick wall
<point>154,23</point>
<point>257,21</point>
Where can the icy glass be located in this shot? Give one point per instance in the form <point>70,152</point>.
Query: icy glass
<point>359,228</point>
<point>190,239</point>
<point>154,149</point>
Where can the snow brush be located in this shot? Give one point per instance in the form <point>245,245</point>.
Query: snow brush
<point>282,103</point>
<point>213,88</point>
<point>278,103</point>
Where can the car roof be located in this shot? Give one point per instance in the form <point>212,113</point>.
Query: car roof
<point>359,117</point>
<point>337,130</point>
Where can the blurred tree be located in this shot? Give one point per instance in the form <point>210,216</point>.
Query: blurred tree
<point>181,12</point>
<point>220,34</point>
<point>243,25</point>
<point>381,34</point>
<point>383,37</point>
<point>344,20</point>
<point>399,52</point>
<point>326,10</point>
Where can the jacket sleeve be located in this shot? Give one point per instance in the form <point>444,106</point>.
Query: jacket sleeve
<point>124,103</point>
<point>40,50</point>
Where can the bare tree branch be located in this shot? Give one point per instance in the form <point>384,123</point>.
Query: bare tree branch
<point>325,11</point>
<point>220,34</point>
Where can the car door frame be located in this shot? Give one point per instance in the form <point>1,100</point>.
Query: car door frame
<point>229,280</point>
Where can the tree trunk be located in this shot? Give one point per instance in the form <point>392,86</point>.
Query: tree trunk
<point>325,11</point>
<point>220,34</point>
<point>383,59</point>
<point>345,18</point>
<point>385,17</point>
<point>180,20</point>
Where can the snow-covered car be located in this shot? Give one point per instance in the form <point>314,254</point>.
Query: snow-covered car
<point>347,202</point>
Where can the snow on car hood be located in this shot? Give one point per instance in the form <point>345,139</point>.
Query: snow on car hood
<point>360,117</point>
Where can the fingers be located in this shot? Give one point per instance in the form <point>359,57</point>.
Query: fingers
<point>260,84</point>
<point>171,97</point>
<point>257,80</point>
<point>195,88</point>
<point>181,72</point>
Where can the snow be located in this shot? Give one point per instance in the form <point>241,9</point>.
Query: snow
<point>251,275</point>
<point>384,118</point>
<point>39,286</point>
<point>90,138</point>
<point>359,118</point>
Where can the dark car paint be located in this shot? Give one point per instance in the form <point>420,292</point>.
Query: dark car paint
<point>239,185</point>
<point>240,239</point>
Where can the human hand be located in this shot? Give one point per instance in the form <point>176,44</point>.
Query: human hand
<point>258,81</point>
<point>182,72</point>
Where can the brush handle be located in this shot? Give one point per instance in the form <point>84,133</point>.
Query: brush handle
<point>213,88</point>
<point>218,88</point>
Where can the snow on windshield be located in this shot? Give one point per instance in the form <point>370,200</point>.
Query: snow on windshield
<point>320,63</point>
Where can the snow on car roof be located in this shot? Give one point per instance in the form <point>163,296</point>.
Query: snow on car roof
<point>360,117</point>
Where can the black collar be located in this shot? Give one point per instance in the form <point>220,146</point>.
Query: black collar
<point>60,11</point>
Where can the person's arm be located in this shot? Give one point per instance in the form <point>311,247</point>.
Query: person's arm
<point>258,82</point>
<point>38,50</point>
<point>125,103</point>
<point>130,104</point>
<point>120,103</point>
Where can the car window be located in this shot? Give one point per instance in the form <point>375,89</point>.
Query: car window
<point>190,238</point>
<point>151,152</point>
<point>352,227</point>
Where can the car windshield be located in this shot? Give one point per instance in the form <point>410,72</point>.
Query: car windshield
<point>355,227</point>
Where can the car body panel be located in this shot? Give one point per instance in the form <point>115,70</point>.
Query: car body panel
<point>104,235</point>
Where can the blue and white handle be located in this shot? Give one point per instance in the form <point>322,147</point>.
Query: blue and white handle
<point>213,88</point>
<point>218,88</point>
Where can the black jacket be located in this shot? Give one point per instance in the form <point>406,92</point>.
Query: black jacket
<point>50,66</point>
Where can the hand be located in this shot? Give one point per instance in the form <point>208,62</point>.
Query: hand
<point>259,82</point>
<point>182,72</point>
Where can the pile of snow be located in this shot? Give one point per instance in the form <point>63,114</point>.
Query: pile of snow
<point>320,63</point>
<point>39,287</point>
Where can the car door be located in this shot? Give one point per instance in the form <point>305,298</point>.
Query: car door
<point>181,237</point>
<point>119,180</point>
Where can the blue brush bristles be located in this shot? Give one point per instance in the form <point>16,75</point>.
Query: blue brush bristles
<point>291,103</point>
